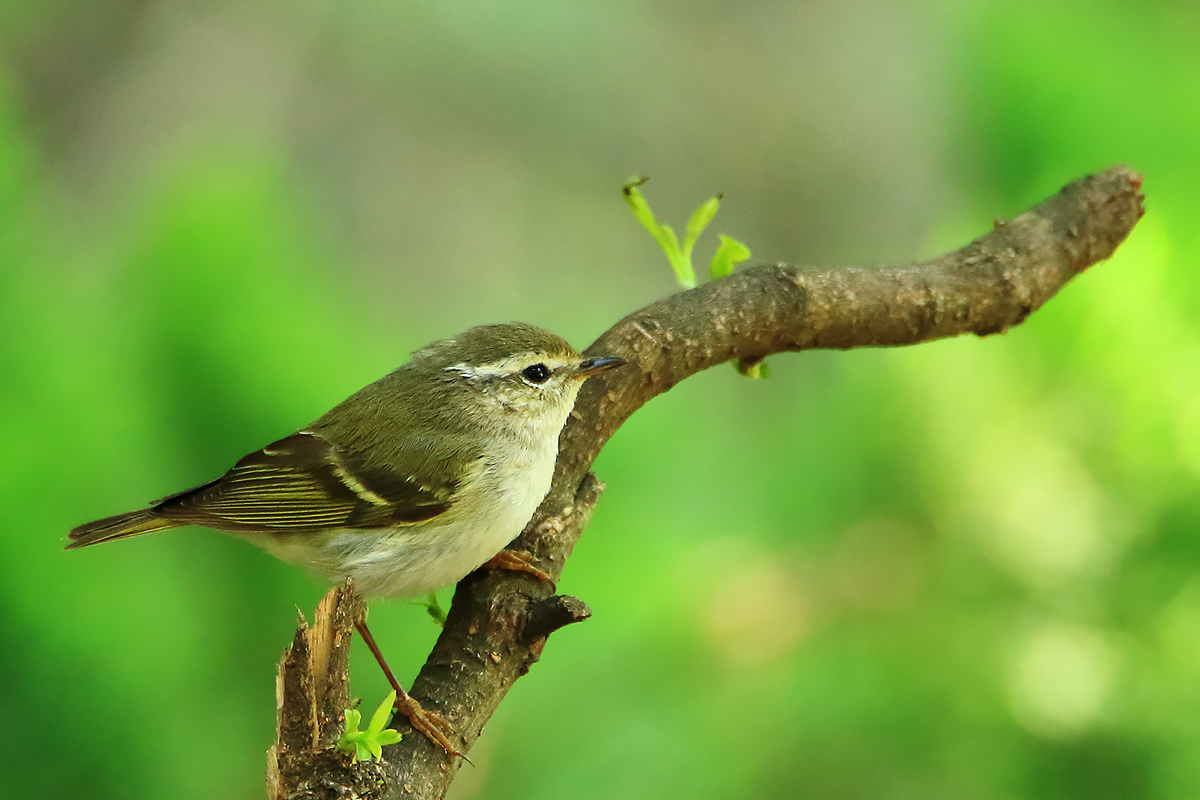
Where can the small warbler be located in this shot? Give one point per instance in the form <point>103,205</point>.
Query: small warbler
<point>410,483</point>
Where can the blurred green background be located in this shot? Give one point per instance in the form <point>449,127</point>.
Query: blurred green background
<point>961,570</point>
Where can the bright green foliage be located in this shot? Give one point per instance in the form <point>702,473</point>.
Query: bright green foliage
<point>756,370</point>
<point>369,744</point>
<point>433,608</point>
<point>730,252</point>
<point>663,234</point>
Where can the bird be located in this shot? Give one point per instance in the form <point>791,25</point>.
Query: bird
<point>409,484</point>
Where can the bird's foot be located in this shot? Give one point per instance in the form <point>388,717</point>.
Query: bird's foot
<point>436,729</point>
<point>518,561</point>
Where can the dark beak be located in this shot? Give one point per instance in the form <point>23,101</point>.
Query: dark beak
<point>590,366</point>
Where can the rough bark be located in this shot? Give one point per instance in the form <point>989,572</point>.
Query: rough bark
<point>312,690</point>
<point>499,621</point>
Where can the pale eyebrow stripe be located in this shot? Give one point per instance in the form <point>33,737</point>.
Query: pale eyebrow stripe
<point>508,366</point>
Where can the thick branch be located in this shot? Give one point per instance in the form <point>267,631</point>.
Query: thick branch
<point>498,622</point>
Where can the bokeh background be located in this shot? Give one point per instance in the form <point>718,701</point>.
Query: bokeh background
<point>961,570</point>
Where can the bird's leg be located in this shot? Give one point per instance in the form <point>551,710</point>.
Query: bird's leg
<point>517,561</point>
<point>436,729</point>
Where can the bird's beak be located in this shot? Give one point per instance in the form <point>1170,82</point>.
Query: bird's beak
<point>590,366</point>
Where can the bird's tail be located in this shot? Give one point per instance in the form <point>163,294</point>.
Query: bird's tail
<point>132,523</point>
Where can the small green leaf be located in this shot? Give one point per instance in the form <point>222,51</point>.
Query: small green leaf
<point>433,608</point>
<point>374,748</point>
<point>641,209</point>
<point>663,234</point>
<point>681,264</point>
<point>388,736</point>
<point>346,743</point>
<point>637,202</point>
<point>699,221</point>
<point>730,253</point>
<point>755,370</point>
<point>382,714</point>
<point>369,743</point>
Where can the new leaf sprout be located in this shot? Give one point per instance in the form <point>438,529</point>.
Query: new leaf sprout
<point>730,252</point>
<point>368,744</point>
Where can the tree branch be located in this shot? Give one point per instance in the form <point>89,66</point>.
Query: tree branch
<point>499,621</point>
<point>311,691</point>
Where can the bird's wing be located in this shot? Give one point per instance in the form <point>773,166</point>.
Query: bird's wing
<point>305,483</point>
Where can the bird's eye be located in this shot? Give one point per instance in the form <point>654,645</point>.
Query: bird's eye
<point>536,373</point>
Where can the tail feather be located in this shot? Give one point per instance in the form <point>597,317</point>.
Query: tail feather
<point>132,523</point>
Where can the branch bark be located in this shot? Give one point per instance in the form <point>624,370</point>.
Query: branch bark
<point>499,621</point>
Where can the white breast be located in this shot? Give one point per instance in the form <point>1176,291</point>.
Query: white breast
<point>493,506</point>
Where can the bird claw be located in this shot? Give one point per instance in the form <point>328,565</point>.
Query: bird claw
<point>435,728</point>
<point>518,561</point>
